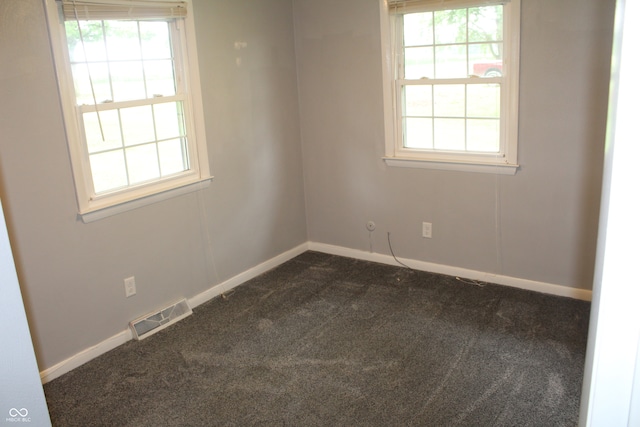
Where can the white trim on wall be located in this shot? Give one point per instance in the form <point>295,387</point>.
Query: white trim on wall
<point>84,356</point>
<point>611,384</point>
<point>124,336</point>
<point>216,290</point>
<point>531,285</point>
<point>239,279</point>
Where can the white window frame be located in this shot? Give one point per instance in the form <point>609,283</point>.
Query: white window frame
<point>503,162</point>
<point>93,206</point>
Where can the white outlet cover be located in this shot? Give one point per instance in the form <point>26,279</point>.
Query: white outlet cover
<point>130,286</point>
<point>426,230</point>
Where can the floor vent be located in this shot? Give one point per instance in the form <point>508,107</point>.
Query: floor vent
<point>155,322</point>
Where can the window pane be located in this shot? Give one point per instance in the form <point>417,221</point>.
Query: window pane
<point>99,77</point>
<point>108,171</point>
<point>160,78</point>
<point>449,134</point>
<point>418,29</point>
<point>91,46</point>
<point>110,129</point>
<point>127,80</point>
<point>451,61</point>
<point>418,133</point>
<point>485,59</point>
<point>173,156</point>
<point>449,100</point>
<point>418,101</point>
<point>123,42</point>
<point>73,41</point>
<point>483,100</point>
<point>485,23</point>
<point>155,40</point>
<point>451,26</point>
<point>169,120</point>
<point>142,163</point>
<point>483,135</point>
<point>418,62</point>
<point>137,125</point>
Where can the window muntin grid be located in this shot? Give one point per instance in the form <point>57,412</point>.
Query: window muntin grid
<point>444,106</point>
<point>130,101</point>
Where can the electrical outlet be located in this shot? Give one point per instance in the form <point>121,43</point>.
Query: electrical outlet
<point>130,286</point>
<point>426,230</point>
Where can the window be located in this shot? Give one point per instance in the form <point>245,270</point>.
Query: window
<point>130,93</point>
<point>451,84</point>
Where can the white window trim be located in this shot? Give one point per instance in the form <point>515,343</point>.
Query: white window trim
<point>398,156</point>
<point>93,207</point>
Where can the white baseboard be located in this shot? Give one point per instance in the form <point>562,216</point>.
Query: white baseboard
<point>124,336</point>
<point>531,285</point>
<point>247,275</point>
<point>84,356</point>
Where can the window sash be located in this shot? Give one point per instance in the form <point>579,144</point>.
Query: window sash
<point>90,108</point>
<point>401,82</point>
<point>134,188</point>
<point>444,154</point>
<point>122,9</point>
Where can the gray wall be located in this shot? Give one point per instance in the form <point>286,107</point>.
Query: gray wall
<point>72,273</point>
<point>547,214</point>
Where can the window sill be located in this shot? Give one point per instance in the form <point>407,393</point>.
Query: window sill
<point>493,168</point>
<point>96,214</point>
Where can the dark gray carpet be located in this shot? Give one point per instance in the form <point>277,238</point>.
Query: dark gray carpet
<point>330,341</point>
